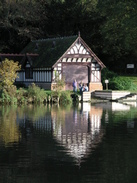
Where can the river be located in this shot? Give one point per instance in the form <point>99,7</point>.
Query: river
<point>85,143</point>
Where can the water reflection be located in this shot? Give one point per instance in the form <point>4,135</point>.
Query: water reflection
<point>92,143</point>
<point>122,110</point>
<point>9,130</point>
<point>76,129</point>
<point>80,129</point>
<point>114,106</point>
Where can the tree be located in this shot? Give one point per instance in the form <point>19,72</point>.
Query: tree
<point>8,72</point>
<point>59,82</point>
<point>119,30</point>
<point>25,20</point>
<point>20,21</point>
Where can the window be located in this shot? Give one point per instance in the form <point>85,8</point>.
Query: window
<point>29,73</point>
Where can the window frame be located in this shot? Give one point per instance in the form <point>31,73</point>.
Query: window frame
<point>28,73</point>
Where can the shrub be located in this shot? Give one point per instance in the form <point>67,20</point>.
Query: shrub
<point>8,72</point>
<point>65,98</point>
<point>120,84</point>
<point>21,95</point>
<point>7,98</point>
<point>116,82</point>
<point>109,75</point>
<point>59,82</point>
<point>75,97</point>
<point>37,94</point>
<point>10,90</point>
<point>8,94</point>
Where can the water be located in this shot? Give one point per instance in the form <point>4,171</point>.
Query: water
<point>88,143</point>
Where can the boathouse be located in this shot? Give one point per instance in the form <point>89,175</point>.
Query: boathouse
<point>69,57</point>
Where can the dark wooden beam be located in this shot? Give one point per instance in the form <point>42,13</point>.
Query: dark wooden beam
<point>77,56</point>
<point>76,63</point>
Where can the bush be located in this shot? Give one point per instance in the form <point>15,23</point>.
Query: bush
<point>120,84</point>
<point>109,75</point>
<point>55,93</point>
<point>21,95</point>
<point>6,98</point>
<point>75,97</point>
<point>8,94</point>
<point>35,94</point>
<point>65,98</point>
<point>10,90</point>
<point>116,82</point>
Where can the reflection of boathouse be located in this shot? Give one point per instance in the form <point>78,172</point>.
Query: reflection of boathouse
<point>81,131</point>
<point>77,130</point>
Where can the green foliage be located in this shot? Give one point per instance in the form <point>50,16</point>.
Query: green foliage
<point>108,27</point>
<point>65,98</point>
<point>119,31</point>
<point>35,94</point>
<point>55,93</point>
<point>8,72</point>
<point>10,90</point>
<point>59,82</point>
<point>25,20</point>
<point>4,97</point>
<point>75,97</point>
<point>8,95</point>
<point>18,23</point>
<point>116,82</point>
<point>107,74</point>
<point>22,95</point>
<point>119,83</point>
<point>132,82</point>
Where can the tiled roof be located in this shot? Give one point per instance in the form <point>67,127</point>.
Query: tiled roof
<point>45,53</point>
<point>49,50</point>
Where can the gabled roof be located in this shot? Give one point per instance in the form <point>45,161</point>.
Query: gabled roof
<point>46,53</point>
<point>49,50</point>
<point>82,42</point>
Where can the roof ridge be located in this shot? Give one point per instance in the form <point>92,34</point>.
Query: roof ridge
<point>55,38</point>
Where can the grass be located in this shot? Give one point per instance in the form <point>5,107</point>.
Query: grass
<point>133,80</point>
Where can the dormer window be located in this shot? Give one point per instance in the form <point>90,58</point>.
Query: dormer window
<point>28,71</point>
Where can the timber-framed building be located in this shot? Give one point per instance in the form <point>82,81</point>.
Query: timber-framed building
<point>69,57</point>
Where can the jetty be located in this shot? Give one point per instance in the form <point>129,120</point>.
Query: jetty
<point>104,95</point>
<point>114,95</point>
